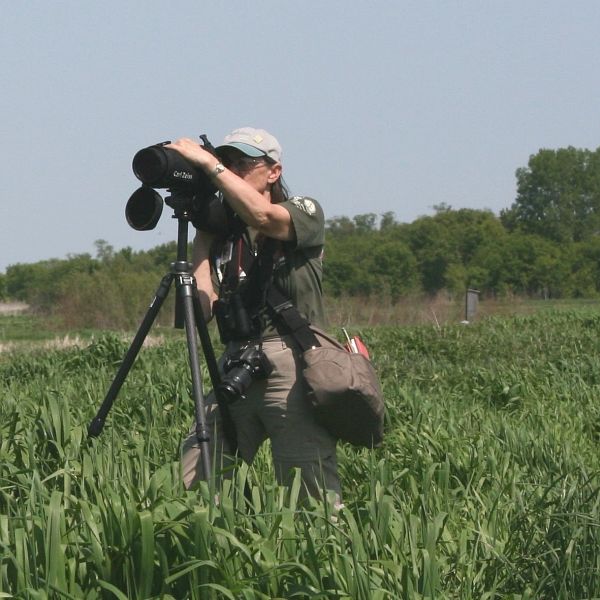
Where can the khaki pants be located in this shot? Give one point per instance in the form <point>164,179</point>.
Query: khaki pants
<point>275,408</point>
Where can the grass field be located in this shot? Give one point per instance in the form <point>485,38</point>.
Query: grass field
<point>487,485</point>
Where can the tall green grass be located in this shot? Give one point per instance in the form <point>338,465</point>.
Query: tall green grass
<point>487,485</point>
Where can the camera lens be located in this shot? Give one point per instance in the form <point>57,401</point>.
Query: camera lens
<point>236,382</point>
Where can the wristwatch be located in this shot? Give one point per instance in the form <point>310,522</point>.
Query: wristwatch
<point>219,168</point>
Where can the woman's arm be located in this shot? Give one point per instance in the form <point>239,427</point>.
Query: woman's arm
<point>201,269</point>
<point>253,207</point>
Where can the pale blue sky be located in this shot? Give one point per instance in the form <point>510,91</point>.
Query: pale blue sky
<point>379,106</point>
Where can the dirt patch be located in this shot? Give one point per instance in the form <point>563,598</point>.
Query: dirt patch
<point>66,342</point>
<point>13,308</point>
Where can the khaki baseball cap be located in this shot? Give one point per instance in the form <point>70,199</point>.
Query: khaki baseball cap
<point>253,142</point>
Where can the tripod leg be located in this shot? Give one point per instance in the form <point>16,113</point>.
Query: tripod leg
<point>186,287</point>
<point>97,424</point>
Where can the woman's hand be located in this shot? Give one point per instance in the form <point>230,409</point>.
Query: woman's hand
<point>194,153</point>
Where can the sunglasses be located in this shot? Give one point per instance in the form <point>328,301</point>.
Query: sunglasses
<point>242,164</point>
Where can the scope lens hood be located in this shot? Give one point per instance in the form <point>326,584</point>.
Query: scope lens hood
<point>144,208</point>
<point>151,165</point>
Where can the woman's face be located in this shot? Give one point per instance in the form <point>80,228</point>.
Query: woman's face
<point>257,172</point>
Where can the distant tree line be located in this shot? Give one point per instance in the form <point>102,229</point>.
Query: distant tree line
<point>547,244</point>
<point>110,290</point>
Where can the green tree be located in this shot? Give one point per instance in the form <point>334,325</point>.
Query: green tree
<point>434,251</point>
<point>39,284</point>
<point>467,229</point>
<point>558,195</point>
<point>391,269</point>
<point>365,223</point>
<point>361,260</point>
<point>162,256</point>
<point>523,264</point>
<point>445,245</point>
<point>104,251</point>
<point>584,277</point>
<point>340,226</point>
<point>388,221</point>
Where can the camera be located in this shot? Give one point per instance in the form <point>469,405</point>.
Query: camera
<point>193,194</point>
<point>234,320</point>
<point>241,370</point>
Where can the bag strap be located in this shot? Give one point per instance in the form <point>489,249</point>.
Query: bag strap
<point>289,317</point>
<point>285,314</point>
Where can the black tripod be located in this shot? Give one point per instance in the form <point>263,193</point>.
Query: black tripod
<point>187,295</point>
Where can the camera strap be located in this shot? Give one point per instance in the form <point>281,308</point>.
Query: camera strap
<point>286,316</point>
<point>234,263</point>
<point>259,292</point>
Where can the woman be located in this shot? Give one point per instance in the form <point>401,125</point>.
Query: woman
<point>247,171</point>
